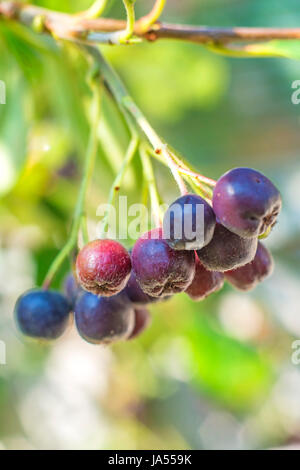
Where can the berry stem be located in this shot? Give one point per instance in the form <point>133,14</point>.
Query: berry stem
<point>128,32</point>
<point>147,21</point>
<point>115,188</point>
<point>157,144</point>
<point>127,104</point>
<point>84,229</point>
<point>197,186</point>
<point>79,213</point>
<point>95,10</point>
<point>198,176</point>
<point>151,181</point>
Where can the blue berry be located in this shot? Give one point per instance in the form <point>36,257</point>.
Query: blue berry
<point>246,202</point>
<point>142,320</point>
<point>227,250</point>
<point>72,289</point>
<point>135,294</point>
<point>189,223</point>
<point>104,320</point>
<point>42,314</point>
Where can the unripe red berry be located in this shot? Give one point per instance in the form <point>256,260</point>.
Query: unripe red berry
<point>103,267</point>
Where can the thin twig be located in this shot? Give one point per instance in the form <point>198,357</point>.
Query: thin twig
<point>75,27</point>
<point>116,186</point>
<point>151,182</point>
<point>79,212</point>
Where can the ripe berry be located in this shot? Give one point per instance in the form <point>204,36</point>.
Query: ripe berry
<point>246,202</point>
<point>103,320</point>
<point>42,314</point>
<point>248,276</point>
<point>71,289</point>
<point>135,294</point>
<point>189,223</point>
<point>103,267</point>
<point>160,270</point>
<point>227,250</point>
<point>142,320</point>
<point>205,282</point>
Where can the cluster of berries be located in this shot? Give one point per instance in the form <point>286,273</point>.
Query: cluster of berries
<point>112,286</point>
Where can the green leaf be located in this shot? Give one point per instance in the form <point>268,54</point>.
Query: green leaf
<point>232,372</point>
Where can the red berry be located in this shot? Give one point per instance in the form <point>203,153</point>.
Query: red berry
<point>160,270</point>
<point>248,276</point>
<point>103,267</point>
<point>205,282</point>
<point>227,250</point>
<point>142,321</point>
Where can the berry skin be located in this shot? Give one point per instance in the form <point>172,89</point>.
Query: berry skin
<point>246,202</point>
<point>103,320</point>
<point>227,251</point>
<point>183,228</point>
<point>248,276</point>
<point>71,289</point>
<point>42,314</point>
<point>205,282</point>
<point>142,320</point>
<point>160,270</point>
<point>135,294</point>
<point>103,267</point>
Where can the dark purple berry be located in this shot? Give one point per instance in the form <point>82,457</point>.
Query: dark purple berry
<point>142,320</point>
<point>248,276</point>
<point>42,314</point>
<point>135,294</point>
<point>160,270</point>
<point>227,250</point>
<point>205,282</point>
<point>103,267</point>
<point>103,320</point>
<point>72,289</point>
<point>246,202</point>
<point>189,223</point>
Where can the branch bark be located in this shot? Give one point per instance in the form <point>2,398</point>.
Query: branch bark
<point>94,31</point>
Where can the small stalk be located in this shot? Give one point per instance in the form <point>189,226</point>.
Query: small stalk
<point>79,213</point>
<point>127,104</point>
<point>128,33</point>
<point>151,182</point>
<point>115,188</point>
<point>95,10</point>
<point>147,21</point>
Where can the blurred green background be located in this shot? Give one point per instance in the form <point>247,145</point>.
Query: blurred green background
<point>215,374</point>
